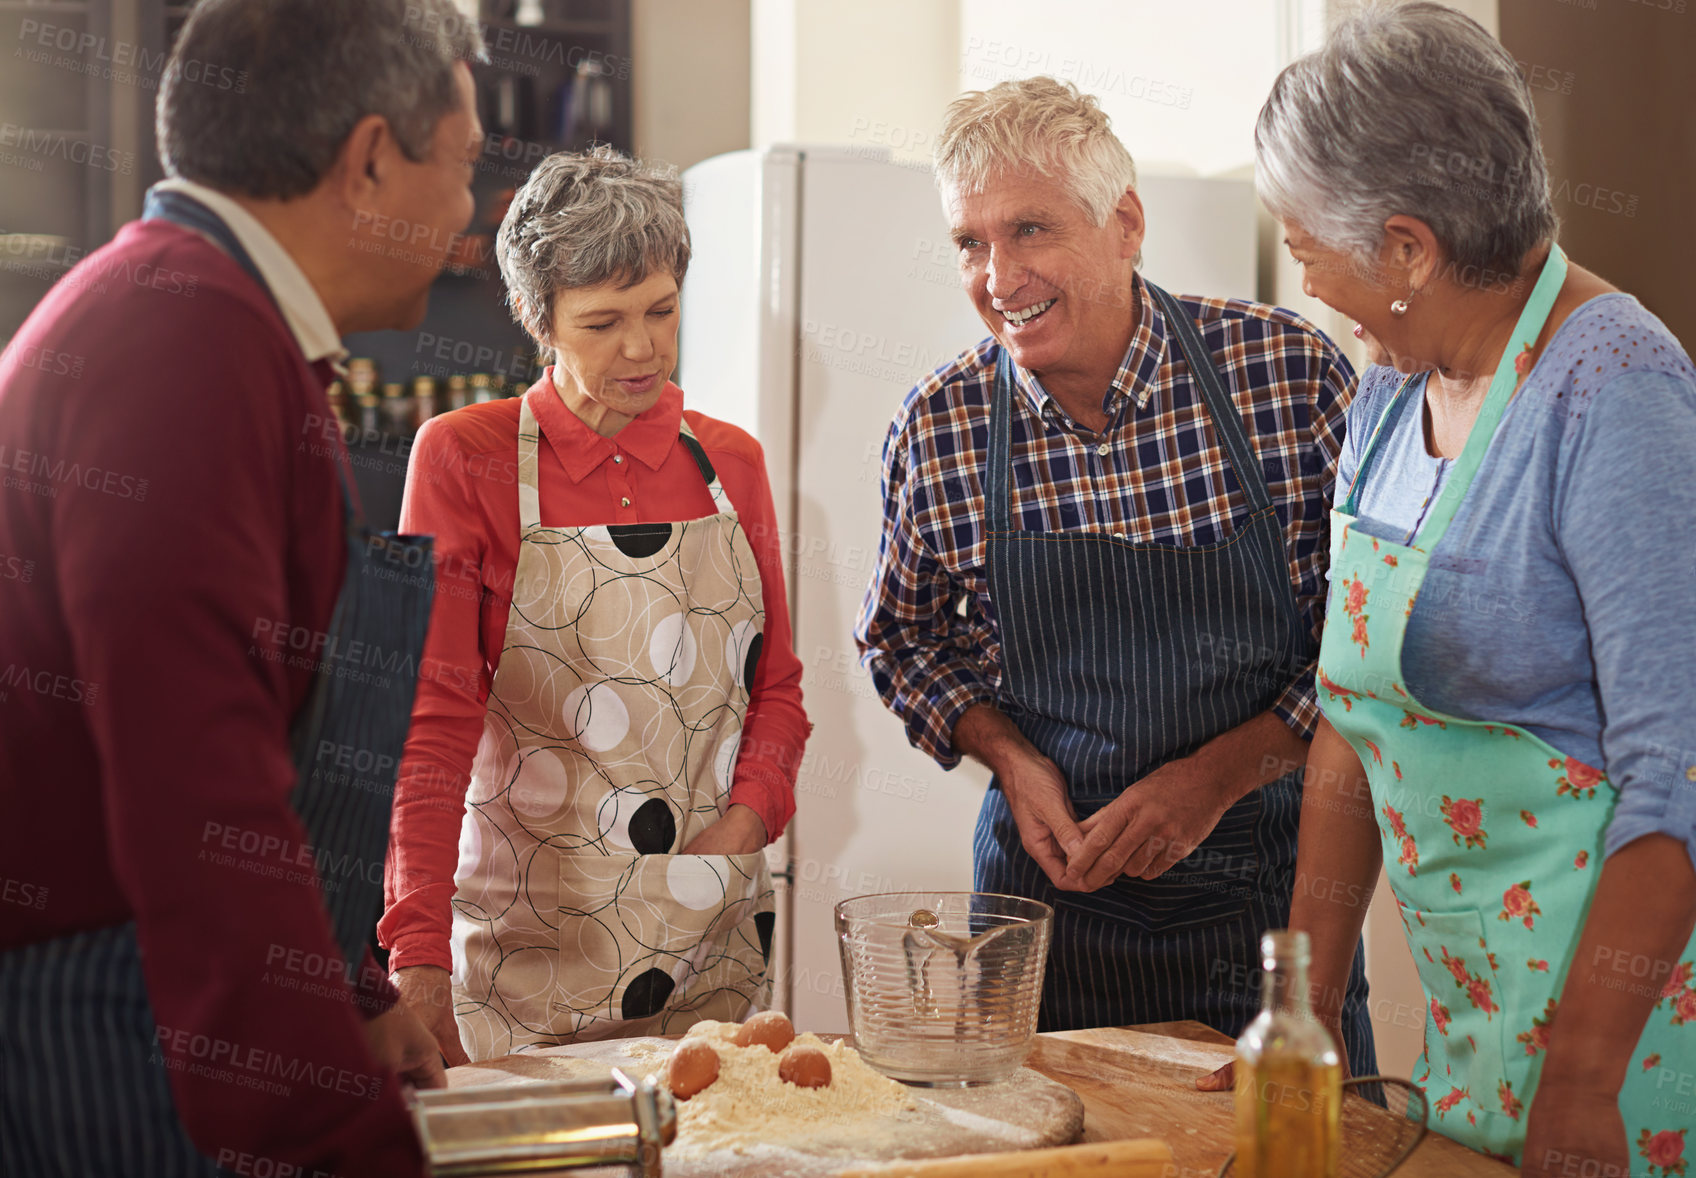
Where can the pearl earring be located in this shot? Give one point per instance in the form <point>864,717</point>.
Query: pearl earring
<point>1399,307</point>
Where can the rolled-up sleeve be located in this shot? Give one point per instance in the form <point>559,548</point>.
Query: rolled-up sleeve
<point>1310,562</point>
<point>1625,520</point>
<point>930,653</point>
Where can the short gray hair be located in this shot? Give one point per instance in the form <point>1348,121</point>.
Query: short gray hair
<point>587,218</point>
<point>259,95</point>
<point>1408,109</point>
<point>1038,126</point>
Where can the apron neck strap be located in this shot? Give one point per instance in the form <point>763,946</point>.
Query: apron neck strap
<point>686,435</point>
<point>1227,422</point>
<point>529,499</point>
<point>999,490</point>
<point>1525,333</point>
<point>1386,424</point>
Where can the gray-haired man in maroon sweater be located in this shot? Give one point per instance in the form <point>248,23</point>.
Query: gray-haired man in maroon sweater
<point>176,992</point>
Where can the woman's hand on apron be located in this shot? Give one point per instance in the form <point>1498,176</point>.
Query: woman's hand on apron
<point>1573,1129</point>
<point>428,992</point>
<point>738,831</point>
<point>404,1045</point>
<point>1147,828</point>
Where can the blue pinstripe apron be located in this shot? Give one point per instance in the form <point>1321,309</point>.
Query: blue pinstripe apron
<point>84,1092</point>
<point>1118,657</point>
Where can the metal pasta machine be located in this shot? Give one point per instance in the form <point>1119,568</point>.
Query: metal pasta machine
<point>545,1128</point>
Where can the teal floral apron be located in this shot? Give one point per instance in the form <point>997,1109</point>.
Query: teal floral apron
<point>1492,839</point>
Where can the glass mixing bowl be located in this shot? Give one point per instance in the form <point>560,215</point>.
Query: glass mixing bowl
<point>943,987</point>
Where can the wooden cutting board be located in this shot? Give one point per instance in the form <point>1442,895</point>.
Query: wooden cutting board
<point>1027,1112</point>
<point>1141,1083</point>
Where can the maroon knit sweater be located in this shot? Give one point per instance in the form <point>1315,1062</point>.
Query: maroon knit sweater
<point>170,534</point>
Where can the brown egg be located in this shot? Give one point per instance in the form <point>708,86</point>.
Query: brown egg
<point>694,1066</point>
<point>805,1067</point>
<point>771,1029</point>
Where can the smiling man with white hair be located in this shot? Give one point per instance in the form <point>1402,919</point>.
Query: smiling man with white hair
<point>1102,572</point>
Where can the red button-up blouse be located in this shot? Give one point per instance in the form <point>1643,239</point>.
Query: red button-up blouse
<point>462,487</point>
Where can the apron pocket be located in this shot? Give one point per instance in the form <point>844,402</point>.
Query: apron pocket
<point>640,935</point>
<point>1464,1022</point>
<point>1212,885</point>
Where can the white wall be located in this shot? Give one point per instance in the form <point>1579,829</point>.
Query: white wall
<point>692,78</point>
<point>873,73</point>
<point>1181,81</point>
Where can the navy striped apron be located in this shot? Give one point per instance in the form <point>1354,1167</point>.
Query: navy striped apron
<point>1118,657</point>
<point>84,1091</point>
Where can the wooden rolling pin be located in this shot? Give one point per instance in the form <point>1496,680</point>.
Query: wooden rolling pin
<point>1145,1157</point>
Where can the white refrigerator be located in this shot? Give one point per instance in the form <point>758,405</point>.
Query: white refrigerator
<point>822,287</point>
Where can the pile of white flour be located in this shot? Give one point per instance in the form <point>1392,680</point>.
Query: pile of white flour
<point>748,1105</point>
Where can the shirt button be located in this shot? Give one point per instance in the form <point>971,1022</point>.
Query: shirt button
<point>1102,449</point>
<point>619,458</point>
<point>625,501</point>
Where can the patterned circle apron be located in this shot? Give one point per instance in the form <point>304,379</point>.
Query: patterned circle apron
<point>610,741</point>
<point>1493,838</point>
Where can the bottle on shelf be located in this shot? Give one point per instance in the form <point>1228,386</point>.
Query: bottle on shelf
<point>341,404</point>
<point>1289,1075</point>
<point>482,388</point>
<point>365,404</point>
<point>370,414</point>
<point>361,370</point>
<point>398,414</point>
<point>459,392</point>
<point>424,405</point>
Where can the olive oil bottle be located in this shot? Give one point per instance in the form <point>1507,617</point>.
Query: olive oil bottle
<point>1289,1086</point>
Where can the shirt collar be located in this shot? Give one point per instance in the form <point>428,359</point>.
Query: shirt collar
<point>1139,372</point>
<point>302,309</point>
<point>648,438</point>
<point>1138,369</point>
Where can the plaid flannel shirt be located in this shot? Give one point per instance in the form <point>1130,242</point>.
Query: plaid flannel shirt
<point>1157,472</point>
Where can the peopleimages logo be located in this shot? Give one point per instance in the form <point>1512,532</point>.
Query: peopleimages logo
<point>22,466</point>
<point>58,145</point>
<point>112,60</point>
<point>47,361</point>
<point>51,684</point>
<point>89,46</point>
<point>519,50</point>
<point>255,1067</point>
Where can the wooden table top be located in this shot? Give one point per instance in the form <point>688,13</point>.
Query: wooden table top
<point>1140,1082</point>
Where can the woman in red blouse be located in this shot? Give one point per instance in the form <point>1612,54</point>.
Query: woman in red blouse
<point>609,718</point>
